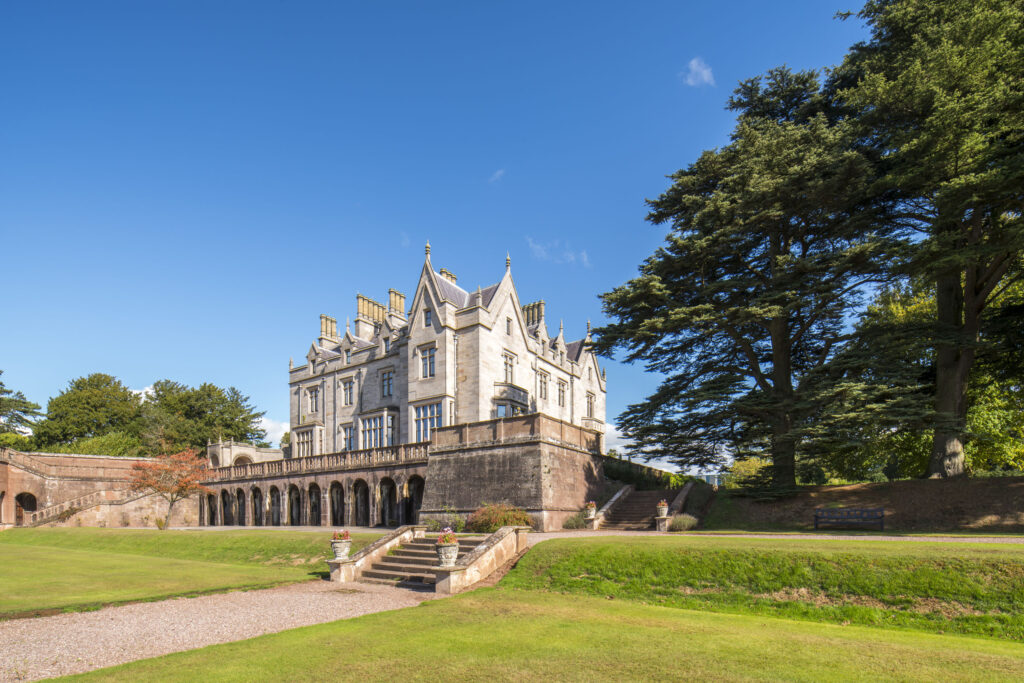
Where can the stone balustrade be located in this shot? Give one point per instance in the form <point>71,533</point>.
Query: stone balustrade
<point>331,462</point>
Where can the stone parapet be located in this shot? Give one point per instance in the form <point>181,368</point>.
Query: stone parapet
<point>500,547</point>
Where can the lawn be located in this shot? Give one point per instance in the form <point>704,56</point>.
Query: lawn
<point>81,568</point>
<point>502,634</point>
<point>973,589</point>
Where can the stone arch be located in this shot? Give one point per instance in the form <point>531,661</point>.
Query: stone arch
<point>336,495</point>
<point>314,505</point>
<point>275,506</point>
<point>211,510</point>
<point>413,499</point>
<point>240,507</point>
<point>294,506</point>
<point>360,503</point>
<point>24,502</point>
<point>3,494</point>
<point>214,461</point>
<point>227,515</point>
<point>257,506</point>
<point>242,460</point>
<point>387,493</point>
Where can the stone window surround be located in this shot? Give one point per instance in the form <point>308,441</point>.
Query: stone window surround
<point>428,360</point>
<point>348,390</point>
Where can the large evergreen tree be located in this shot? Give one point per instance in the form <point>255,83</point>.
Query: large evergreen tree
<point>744,307</point>
<point>937,94</point>
<point>177,417</point>
<point>17,414</point>
<point>91,406</point>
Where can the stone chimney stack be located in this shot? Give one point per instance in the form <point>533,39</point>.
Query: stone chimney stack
<point>448,275</point>
<point>534,313</point>
<point>328,329</point>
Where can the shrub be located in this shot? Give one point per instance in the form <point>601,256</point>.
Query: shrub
<point>490,518</point>
<point>450,518</point>
<point>575,522</point>
<point>743,472</point>
<point>683,522</point>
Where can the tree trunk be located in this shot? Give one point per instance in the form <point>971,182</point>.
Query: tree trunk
<point>783,445</point>
<point>167,522</point>
<point>947,459</point>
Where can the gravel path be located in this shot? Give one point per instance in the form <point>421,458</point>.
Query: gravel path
<point>63,644</point>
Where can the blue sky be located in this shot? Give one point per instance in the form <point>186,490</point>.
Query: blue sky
<point>186,186</point>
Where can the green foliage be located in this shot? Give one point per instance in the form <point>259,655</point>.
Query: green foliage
<point>90,406</point>
<point>450,519</point>
<point>98,415</point>
<point>743,308</point>
<point>937,94</point>
<point>492,516</point>
<point>18,442</point>
<point>643,478</point>
<point>177,417</point>
<point>17,414</point>
<point>111,443</point>
<point>576,521</point>
<point>683,522</point>
<point>742,472</point>
<point>954,588</point>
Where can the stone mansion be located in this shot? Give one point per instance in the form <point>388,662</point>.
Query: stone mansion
<point>453,357</point>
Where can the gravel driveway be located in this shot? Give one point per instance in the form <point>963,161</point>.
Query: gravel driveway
<point>63,644</point>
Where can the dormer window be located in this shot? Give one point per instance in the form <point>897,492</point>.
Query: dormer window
<point>428,318</point>
<point>348,356</point>
<point>387,345</point>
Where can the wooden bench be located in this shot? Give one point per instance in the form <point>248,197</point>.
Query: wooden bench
<point>850,516</point>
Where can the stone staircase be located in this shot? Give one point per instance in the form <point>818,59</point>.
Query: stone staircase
<point>636,511</point>
<point>412,565</point>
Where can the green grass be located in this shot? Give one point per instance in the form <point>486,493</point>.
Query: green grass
<point>81,568</point>
<point>499,634</point>
<point>968,589</point>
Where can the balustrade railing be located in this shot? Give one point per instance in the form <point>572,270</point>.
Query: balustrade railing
<point>348,460</point>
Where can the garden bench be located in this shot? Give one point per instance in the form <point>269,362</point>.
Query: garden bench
<point>854,516</point>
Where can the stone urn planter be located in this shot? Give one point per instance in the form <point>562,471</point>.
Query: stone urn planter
<point>447,553</point>
<point>663,509</point>
<point>341,544</point>
<point>590,511</point>
<point>341,549</point>
<point>447,547</point>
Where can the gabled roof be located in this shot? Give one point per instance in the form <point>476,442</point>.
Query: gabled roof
<point>487,294</point>
<point>575,349</point>
<point>451,291</point>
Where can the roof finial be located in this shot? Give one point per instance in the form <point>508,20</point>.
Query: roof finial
<point>588,327</point>
<point>291,363</point>
<point>428,249</point>
<point>508,261</point>
<point>347,320</point>
<point>561,326</point>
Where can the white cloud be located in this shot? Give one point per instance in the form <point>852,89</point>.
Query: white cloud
<point>698,73</point>
<point>557,251</point>
<point>145,394</point>
<point>613,438</point>
<point>496,176</point>
<point>275,429</point>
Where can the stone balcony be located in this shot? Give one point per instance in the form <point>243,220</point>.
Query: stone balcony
<point>506,391</point>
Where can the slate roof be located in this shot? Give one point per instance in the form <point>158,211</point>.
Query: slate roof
<point>575,349</point>
<point>452,292</point>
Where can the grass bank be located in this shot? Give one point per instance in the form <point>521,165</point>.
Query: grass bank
<point>498,634</point>
<point>42,570</point>
<point>975,589</point>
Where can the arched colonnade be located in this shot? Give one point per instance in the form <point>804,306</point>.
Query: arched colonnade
<point>355,500</point>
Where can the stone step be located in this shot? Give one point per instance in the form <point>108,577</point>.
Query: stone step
<point>402,567</point>
<point>394,577</point>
